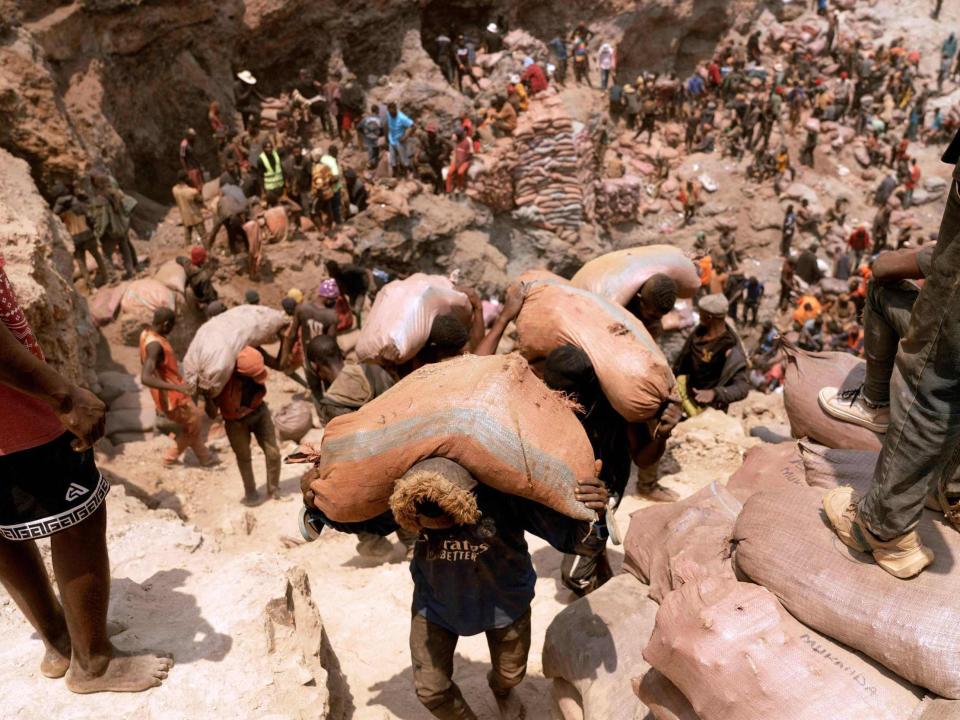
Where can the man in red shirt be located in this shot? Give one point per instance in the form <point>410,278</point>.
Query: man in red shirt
<point>913,179</point>
<point>534,78</point>
<point>859,242</point>
<point>50,487</point>
<point>245,413</point>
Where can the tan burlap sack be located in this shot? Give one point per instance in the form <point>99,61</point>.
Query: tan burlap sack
<point>632,370</point>
<point>670,544</point>
<point>399,322</point>
<point>828,468</point>
<point>617,276</point>
<point>293,420</point>
<point>767,467</point>
<point>491,415</point>
<point>596,644</point>
<point>806,373</point>
<point>911,627</point>
<point>940,709</point>
<point>663,699</point>
<point>736,654</point>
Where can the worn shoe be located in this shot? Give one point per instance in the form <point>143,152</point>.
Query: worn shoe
<point>902,557</point>
<point>849,406</point>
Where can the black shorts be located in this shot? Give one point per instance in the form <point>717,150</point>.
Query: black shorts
<point>47,489</point>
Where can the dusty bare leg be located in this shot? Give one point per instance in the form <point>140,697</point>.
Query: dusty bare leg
<point>23,575</point>
<point>82,568</point>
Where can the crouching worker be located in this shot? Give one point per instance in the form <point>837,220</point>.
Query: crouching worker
<point>616,443</point>
<point>161,374</point>
<point>472,573</point>
<point>712,367</point>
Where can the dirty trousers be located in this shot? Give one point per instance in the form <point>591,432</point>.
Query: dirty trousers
<point>187,416</point>
<point>921,445</point>
<point>432,648</point>
<point>886,319</point>
<point>260,424</point>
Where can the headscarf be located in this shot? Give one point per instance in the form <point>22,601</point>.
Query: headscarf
<point>296,295</point>
<point>198,255</point>
<point>328,289</point>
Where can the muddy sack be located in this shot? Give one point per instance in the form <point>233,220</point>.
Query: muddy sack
<point>490,415</point>
<point>633,372</point>
<point>806,373</point>
<point>172,275</point>
<point>767,467</point>
<point>212,355</point>
<point>596,644</point>
<point>670,544</point>
<point>618,276</point>
<point>400,320</point>
<point>736,654</point>
<point>912,627</point>
<point>293,420</point>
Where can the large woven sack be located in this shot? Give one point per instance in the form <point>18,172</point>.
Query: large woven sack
<point>399,323</point>
<point>632,370</point>
<point>293,420</point>
<point>940,709</point>
<point>212,354</point>
<point>138,420</point>
<point>143,297</point>
<point>172,275</point>
<point>663,698</point>
<point>806,373</point>
<point>671,544</point>
<point>596,644</point>
<point>491,415</point>
<point>828,468</point>
<point>105,304</point>
<point>736,654</point>
<point>767,467</point>
<point>912,627</point>
<point>617,276</point>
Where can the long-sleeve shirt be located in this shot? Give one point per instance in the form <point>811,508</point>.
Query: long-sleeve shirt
<point>470,579</point>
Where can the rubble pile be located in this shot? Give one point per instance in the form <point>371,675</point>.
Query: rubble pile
<point>618,199</point>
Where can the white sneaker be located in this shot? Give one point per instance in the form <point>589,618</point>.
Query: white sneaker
<point>849,406</point>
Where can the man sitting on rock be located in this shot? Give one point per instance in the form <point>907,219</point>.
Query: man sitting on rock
<point>712,367</point>
<point>473,574</point>
<point>919,448</point>
<point>162,375</point>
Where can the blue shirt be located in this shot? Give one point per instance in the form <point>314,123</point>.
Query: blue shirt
<point>695,85</point>
<point>470,579</point>
<point>397,126</point>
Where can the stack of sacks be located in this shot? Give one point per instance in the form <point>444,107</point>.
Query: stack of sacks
<point>736,654</point>
<point>546,177</point>
<point>587,138</point>
<point>672,544</point>
<point>491,177</point>
<point>618,199</point>
<point>402,316</point>
<point>490,415</point>
<point>594,648</point>
<point>632,371</point>
<point>131,413</point>
<point>618,276</point>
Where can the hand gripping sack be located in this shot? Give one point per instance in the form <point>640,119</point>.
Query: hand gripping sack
<point>596,644</point>
<point>806,373</point>
<point>632,370</point>
<point>400,320</point>
<point>671,544</point>
<point>736,654</point>
<point>490,415</point>
<point>212,354</point>
<point>618,276</point>
<point>911,627</point>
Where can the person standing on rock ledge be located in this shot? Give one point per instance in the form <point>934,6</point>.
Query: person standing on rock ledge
<point>399,129</point>
<point>50,487</point>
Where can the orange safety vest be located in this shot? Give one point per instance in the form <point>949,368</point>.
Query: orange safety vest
<point>168,370</point>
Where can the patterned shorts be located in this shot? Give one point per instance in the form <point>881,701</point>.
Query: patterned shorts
<point>47,489</point>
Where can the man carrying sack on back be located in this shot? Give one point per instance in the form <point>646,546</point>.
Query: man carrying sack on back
<point>472,573</point>
<point>920,447</point>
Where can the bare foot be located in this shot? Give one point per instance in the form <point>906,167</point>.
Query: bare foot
<point>510,706</point>
<point>56,660</point>
<point>124,673</point>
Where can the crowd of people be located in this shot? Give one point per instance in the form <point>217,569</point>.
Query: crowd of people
<point>864,297</point>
